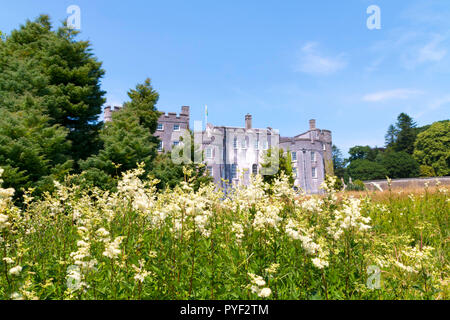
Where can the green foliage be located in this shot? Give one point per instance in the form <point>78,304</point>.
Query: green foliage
<point>399,165</point>
<point>283,163</point>
<point>32,151</point>
<point>60,74</point>
<point>432,148</point>
<point>137,243</point>
<point>171,174</point>
<point>402,136</point>
<point>338,162</point>
<point>427,171</point>
<point>127,140</point>
<point>356,185</point>
<point>363,169</point>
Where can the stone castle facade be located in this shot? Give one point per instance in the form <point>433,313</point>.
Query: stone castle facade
<point>232,154</point>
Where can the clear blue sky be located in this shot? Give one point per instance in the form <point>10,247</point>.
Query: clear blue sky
<point>284,62</point>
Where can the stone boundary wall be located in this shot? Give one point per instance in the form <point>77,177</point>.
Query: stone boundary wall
<point>408,183</point>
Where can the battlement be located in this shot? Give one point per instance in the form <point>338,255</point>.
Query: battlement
<point>173,116</point>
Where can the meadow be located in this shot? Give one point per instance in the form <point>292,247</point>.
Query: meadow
<point>256,242</point>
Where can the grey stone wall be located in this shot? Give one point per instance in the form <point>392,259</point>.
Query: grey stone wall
<point>169,135</point>
<point>407,183</point>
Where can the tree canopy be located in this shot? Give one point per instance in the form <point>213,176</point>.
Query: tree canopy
<point>432,148</point>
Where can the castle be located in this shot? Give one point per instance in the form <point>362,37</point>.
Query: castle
<point>233,153</point>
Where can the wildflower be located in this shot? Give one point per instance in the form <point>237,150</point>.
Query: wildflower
<point>319,263</point>
<point>102,233</point>
<point>15,271</point>
<point>273,268</point>
<point>141,273</point>
<point>264,293</point>
<point>258,280</point>
<point>16,296</point>
<point>8,260</point>
<point>4,221</point>
<point>112,249</point>
<point>256,283</point>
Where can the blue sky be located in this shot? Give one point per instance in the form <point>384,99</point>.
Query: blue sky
<point>284,62</point>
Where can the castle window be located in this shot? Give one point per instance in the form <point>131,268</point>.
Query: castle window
<point>210,171</point>
<point>209,153</point>
<point>235,143</point>
<point>176,143</point>
<point>294,156</point>
<point>176,127</point>
<point>313,156</point>
<point>256,145</point>
<point>234,171</point>
<point>160,127</point>
<point>295,173</point>
<point>160,146</point>
<point>314,172</point>
<point>255,169</point>
<point>244,144</point>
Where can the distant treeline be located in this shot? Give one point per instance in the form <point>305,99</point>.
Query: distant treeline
<point>409,151</point>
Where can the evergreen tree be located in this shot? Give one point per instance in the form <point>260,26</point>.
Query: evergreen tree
<point>32,151</point>
<point>391,136</point>
<point>338,162</point>
<point>127,140</point>
<point>61,73</point>
<point>402,136</point>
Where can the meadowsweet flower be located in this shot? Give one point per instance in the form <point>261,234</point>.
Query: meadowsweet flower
<point>8,260</point>
<point>273,268</point>
<point>264,293</point>
<point>312,204</point>
<point>112,249</point>
<point>15,271</point>
<point>238,230</point>
<point>103,233</point>
<point>141,273</point>
<point>16,296</point>
<point>4,221</point>
<point>257,284</point>
<point>257,280</point>
<point>319,263</point>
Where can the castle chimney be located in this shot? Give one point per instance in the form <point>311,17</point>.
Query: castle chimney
<point>248,121</point>
<point>185,110</point>
<point>312,124</point>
